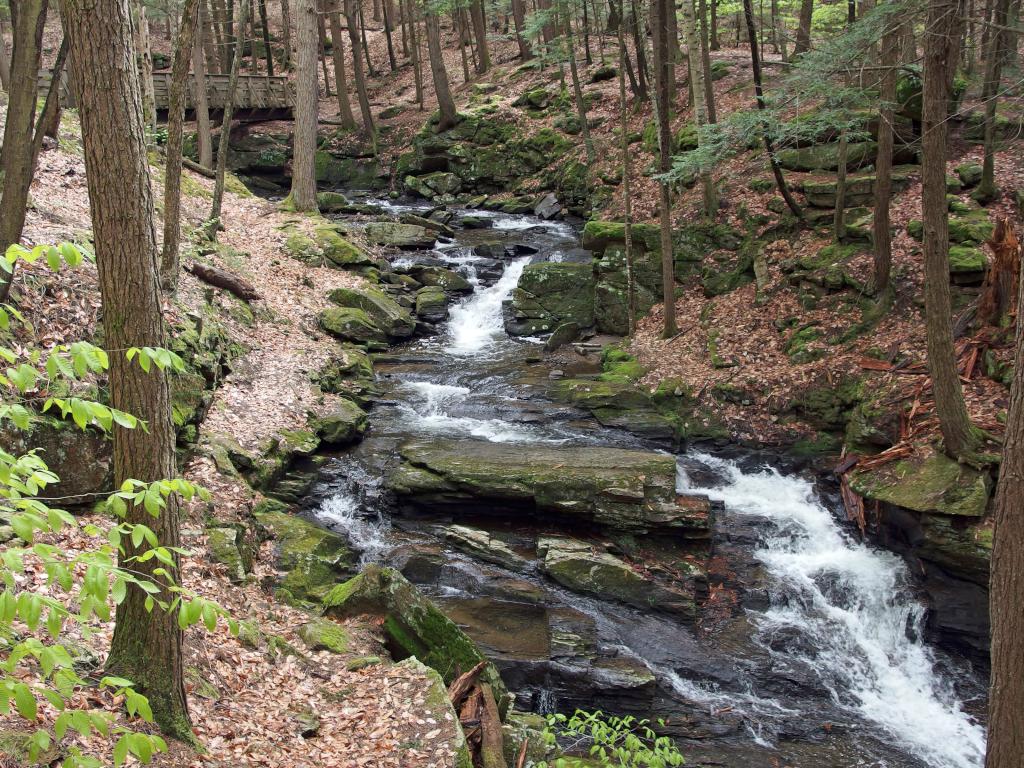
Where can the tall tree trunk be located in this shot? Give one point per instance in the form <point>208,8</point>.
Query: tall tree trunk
<point>5,59</point>
<point>286,32</point>
<point>28,17</point>
<point>476,13</point>
<point>170,261</point>
<point>577,91</point>
<point>321,47</point>
<point>986,190</point>
<point>366,46</point>
<point>348,120</point>
<point>705,59</point>
<point>940,57</point>
<point>714,43</point>
<point>639,47</point>
<point>48,123</point>
<point>357,71</point>
<point>209,35</point>
<point>146,55</point>
<point>663,66</point>
<point>268,51</point>
<point>303,195</point>
<point>548,29</point>
<point>204,135</point>
<point>225,133</point>
<point>881,228</point>
<point>445,103</point>
<point>586,32</point>
<point>700,110</point>
<point>147,646</point>
<point>755,64</point>
<point>417,60</point>
<point>1006,582</point>
<point>460,28</point>
<point>803,30</point>
<point>219,23</point>
<point>839,213</point>
<point>627,199</point>
<point>389,13</point>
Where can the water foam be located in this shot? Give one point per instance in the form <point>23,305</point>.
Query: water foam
<point>475,325</point>
<point>342,512</point>
<point>855,605</point>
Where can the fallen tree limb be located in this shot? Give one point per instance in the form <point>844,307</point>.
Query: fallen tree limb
<point>461,685</point>
<point>202,170</point>
<point>492,753</point>
<point>221,278</point>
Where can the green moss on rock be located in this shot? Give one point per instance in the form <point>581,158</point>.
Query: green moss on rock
<point>322,634</point>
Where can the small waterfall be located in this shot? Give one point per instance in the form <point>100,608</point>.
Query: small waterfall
<point>854,606</point>
<point>476,324</point>
<point>345,511</point>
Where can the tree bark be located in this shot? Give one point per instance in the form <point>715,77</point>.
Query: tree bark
<point>476,13</point>
<point>627,200</point>
<point>839,214</point>
<point>577,90</point>
<point>265,28</point>
<point>147,646</point>
<point>881,228</point>
<point>695,61</point>
<point>663,66</point>
<point>940,57</point>
<point>640,47</point>
<point>714,43</point>
<point>170,258</point>
<point>16,160</point>
<point>48,123</point>
<point>755,63</point>
<point>803,30</point>
<point>417,62</point>
<point>705,58</point>
<point>389,12</point>
<point>5,59</point>
<point>204,135</point>
<point>348,120</point>
<point>445,103</point>
<point>357,71</point>
<point>1006,582</point>
<point>303,194</point>
<point>146,55</point>
<point>224,143</point>
<point>321,45</point>
<point>286,32</point>
<point>986,190</point>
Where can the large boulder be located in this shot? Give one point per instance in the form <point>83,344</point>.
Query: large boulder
<point>352,324</point>
<point>860,189</point>
<point>588,569</point>
<point>311,559</point>
<point>431,304</point>
<point>383,311</point>
<point>614,488</point>
<point>825,157</point>
<point>397,235</point>
<point>549,294</point>
<point>485,546</point>
<point>433,185</point>
<point>349,372</point>
<point>412,624</point>
<point>346,423</point>
<point>440,277</point>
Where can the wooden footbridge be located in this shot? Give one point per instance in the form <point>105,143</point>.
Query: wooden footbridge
<point>258,98</point>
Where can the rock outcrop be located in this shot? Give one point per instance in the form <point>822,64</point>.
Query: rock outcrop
<point>549,294</point>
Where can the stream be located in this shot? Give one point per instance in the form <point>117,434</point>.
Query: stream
<point>809,649</point>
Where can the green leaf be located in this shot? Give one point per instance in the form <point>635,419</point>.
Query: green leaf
<point>25,702</point>
<point>121,751</point>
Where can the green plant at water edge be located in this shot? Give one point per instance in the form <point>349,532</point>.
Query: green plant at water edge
<point>81,585</point>
<point>622,742</point>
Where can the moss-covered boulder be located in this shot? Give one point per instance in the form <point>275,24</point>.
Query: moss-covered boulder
<point>352,324</point>
<point>344,424</point>
<point>228,546</point>
<point>349,372</point>
<point>397,235</point>
<point>445,279</point>
<point>439,184</point>
<point>549,294</point>
<point>967,262</point>
<point>412,624</point>
<point>384,312</point>
<point>327,245</point>
<point>928,483</point>
<point>485,546</point>
<point>311,559</point>
<point>334,169</point>
<point>969,174</point>
<point>591,570</point>
<point>322,634</point>
<point>825,157</point>
<point>860,188</point>
<point>432,304</point>
<point>972,228</point>
<point>438,709</point>
<point>610,487</point>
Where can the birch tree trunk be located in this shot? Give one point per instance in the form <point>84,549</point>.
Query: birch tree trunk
<point>146,54</point>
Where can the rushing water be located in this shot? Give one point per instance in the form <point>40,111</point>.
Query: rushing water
<point>838,638</point>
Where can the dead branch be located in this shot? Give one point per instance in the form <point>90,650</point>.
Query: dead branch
<point>221,278</point>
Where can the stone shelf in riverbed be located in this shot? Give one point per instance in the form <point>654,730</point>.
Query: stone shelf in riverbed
<point>613,488</point>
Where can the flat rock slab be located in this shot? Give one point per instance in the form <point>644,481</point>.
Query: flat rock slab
<point>613,488</point>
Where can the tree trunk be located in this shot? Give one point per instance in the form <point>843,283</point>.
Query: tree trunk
<point>839,214</point>
<point>713,43</point>
<point>1006,583</point>
<point>755,64</point>
<point>577,90</point>
<point>225,134</point>
<point>28,18</point>
<point>417,61</point>
<point>265,29</point>
<point>48,123</point>
<point>286,32</point>
<point>389,12</point>
<point>170,261</point>
<point>627,199</point>
<point>1000,287</point>
<point>548,29</point>
<point>476,13</point>
<point>460,28</point>
<point>147,646</point>
<point>881,228</point>
<point>219,23</point>
<point>357,72</point>
<point>700,110</point>
<point>348,120</point>
<point>303,194</point>
<point>5,59</point>
<point>320,48</point>
<point>640,49</point>
<point>705,58</point>
<point>663,66</point>
<point>586,32</point>
<point>986,190</point>
<point>146,55</point>
<point>209,37</point>
<point>803,31</point>
<point>445,103</point>
<point>204,135</point>
<point>366,47</point>
<point>940,57</point>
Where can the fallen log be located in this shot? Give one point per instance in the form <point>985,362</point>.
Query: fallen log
<point>202,170</point>
<point>221,278</point>
<point>492,754</point>
<point>461,685</point>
